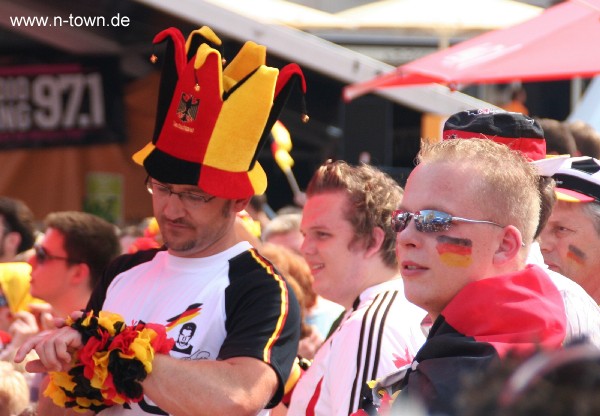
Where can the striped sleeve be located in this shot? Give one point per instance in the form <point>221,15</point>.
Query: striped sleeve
<point>370,345</point>
<point>262,316</point>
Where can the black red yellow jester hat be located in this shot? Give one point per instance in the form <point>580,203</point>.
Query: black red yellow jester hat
<point>212,121</point>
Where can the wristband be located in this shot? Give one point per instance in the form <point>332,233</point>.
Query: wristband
<point>109,368</point>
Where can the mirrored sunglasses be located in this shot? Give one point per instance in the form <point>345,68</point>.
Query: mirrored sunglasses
<point>430,221</point>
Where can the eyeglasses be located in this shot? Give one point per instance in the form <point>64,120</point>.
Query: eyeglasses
<point>430,221</point>
<point>41,255</point>
<point>191,199</point>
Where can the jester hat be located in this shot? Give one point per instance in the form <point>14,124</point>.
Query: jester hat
<point>212,121</point>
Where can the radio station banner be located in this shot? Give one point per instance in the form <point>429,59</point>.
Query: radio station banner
<point>60,104</point>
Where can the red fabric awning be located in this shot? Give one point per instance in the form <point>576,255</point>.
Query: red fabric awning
<point>560,43</point>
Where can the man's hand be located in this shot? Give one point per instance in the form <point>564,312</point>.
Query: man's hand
<point>54,348</point>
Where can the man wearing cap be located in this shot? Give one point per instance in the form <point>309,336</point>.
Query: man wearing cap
<point>469,216</point>
<point>236,321</point>
<point>570,242</point>
<point>524,134</point>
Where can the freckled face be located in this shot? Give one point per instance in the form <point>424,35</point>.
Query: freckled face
<point>571,245</point>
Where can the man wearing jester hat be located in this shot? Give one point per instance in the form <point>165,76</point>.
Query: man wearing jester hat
<point>202,169</point>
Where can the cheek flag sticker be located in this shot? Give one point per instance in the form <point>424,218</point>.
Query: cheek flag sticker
<point>455,252</point>
<point>576,255</point>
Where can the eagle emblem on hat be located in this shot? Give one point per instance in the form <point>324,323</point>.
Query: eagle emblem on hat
<point>188,108</point>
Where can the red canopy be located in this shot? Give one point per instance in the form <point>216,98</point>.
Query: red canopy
<point>560,43</point>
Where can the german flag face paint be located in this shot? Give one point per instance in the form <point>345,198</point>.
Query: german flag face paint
<point>576,255</point>
<point>569,243</point>
<point>454,252</point>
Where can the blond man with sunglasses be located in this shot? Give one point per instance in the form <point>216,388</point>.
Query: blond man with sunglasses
<point>468,216</point>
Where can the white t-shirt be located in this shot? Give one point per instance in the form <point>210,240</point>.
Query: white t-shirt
<point>378,335</point>
<point>227,305</point>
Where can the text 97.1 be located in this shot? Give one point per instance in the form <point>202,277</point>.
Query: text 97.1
<point>52,102</point>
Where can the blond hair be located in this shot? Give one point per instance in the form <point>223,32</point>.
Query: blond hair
<point>507,188</point>
<point>14,391</point>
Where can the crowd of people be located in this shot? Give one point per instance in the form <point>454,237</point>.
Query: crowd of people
<point>370,298</point>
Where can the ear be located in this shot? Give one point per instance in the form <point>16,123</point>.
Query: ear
<point>240,204</point>
<point>374,244</point>
<point>81,273</point>
<point>509,247</point>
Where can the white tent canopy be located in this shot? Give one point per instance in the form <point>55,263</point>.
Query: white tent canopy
<point>312,52</point>
<point>453,15</point>
<point>445,18</point>
<point>283,12</point>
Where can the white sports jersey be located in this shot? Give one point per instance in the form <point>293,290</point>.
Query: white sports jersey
<point>380,334</point>
<point>223,306</point>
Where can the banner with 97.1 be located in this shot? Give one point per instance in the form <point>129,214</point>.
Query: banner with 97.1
<point>72,104</point>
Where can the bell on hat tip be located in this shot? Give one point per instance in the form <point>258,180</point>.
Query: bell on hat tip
<point>305,118</point>
<point>153,58</point>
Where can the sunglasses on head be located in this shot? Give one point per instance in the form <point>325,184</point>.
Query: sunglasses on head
<point>41,255</point>
<point>430,221</point>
